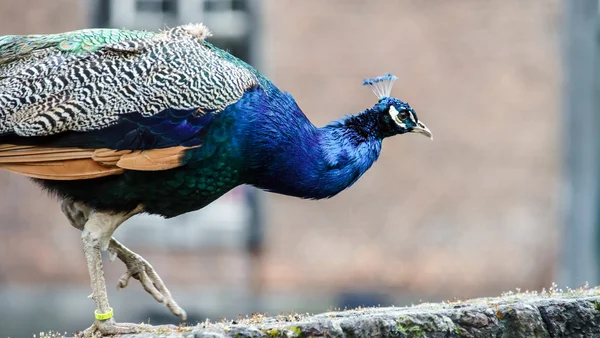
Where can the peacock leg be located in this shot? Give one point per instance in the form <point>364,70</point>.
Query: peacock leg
<point>95,236</point>
<point>137,266</point>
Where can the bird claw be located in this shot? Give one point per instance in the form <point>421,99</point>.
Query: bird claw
<point>110,328</point>
<point>138,268</point>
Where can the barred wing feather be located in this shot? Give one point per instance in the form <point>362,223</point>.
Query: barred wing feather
<point>47,90</point>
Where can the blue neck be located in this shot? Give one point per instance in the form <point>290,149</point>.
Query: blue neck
<point>287,154</point>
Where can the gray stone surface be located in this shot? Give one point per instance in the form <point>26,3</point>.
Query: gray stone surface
<point>575,313</point>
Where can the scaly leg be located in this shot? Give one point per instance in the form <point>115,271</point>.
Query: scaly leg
<point>137,266</point>
<point>96,232</point>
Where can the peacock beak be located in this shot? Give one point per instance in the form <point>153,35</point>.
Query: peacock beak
<point>421,128</point>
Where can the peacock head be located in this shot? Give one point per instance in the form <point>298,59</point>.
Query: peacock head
<point>395,116</point>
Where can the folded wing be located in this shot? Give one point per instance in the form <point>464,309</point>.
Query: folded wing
<point>95,103</point>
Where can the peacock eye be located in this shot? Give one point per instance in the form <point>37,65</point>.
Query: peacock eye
<point>403,115</point>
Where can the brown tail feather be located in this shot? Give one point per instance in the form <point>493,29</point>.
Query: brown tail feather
<point>79,164</point>
<point>79,169</point>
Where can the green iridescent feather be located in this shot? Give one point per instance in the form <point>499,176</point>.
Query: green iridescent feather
<point>13,47</point>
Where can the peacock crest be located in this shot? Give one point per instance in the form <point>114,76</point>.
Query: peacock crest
<point>381,85</point>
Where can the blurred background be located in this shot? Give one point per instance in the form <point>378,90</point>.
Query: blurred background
<point>505,197</point>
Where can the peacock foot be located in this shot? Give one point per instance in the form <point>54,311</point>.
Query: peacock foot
<point>138,268</point>
<point>109,327</point>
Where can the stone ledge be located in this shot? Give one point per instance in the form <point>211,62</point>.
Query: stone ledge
<point>575,313</point>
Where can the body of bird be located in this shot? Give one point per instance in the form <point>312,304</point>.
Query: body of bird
<point>239,147</point>
<point>120,122</point>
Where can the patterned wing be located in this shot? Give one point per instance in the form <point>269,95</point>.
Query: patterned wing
<point>93,103</point>
<point>63,84</point>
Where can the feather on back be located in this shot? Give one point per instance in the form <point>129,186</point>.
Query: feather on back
<point>85,80</point>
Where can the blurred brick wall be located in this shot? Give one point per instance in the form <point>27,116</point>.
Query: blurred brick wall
<point>41,16</point>
<point>473,212</point>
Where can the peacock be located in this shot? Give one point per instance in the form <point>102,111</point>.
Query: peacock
<point>121,122</point>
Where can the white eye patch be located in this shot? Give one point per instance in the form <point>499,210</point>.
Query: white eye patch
<point>394,114</point>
